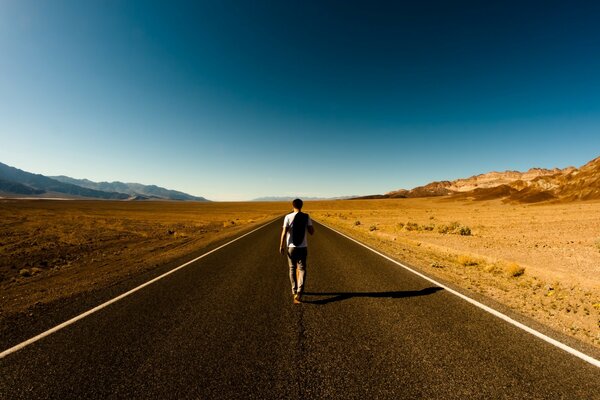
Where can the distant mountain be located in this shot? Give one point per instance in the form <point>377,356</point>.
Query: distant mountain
<point>136,190</point>
<point>290,198</point>
<point>14,181</point>
<point>534,185</point>
<point>18,183</point>
<point>17,188</point>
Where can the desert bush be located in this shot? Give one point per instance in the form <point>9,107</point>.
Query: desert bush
<point>464,231</point>
<point>437,265</point>
<point>514,270</point>
<point>492,268</point>
<point>25,272</point>
<point>411,226</point>
<point>372,228</point>
<point>428,227</point>
<point>450,228</point>
<point>356,223</point>
<point>467,260</point>
<point>442,229</point>
<point>400,225</point>
<point>454,228</point>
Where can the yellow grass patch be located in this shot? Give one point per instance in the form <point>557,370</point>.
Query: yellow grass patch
<point>467,260</point>
<point>514,270</point>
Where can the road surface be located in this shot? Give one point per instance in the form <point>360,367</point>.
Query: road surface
<point>225,328</point>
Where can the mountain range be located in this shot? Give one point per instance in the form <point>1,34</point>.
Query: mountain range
<point>132,189</point>
<point>290,198</point>
<point>18,183</point>
<point>534,185</point>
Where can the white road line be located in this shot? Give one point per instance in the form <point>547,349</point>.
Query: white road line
<point>496,313</point>
<point>109,302</point>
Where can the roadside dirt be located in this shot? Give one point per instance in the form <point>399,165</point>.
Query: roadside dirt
<point>51,250</point>
<point>542,261</point>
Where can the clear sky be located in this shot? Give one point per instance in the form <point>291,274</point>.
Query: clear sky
<point>236,100</point>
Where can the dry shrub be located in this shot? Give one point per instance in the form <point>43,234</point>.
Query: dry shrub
<point>442,229</point>
<point>467,261</point>
<point>411,226</point>
<point>492,268</point>
<point>25,272</point>
<point>373,228</point>
<point>464,231</point>
<point>454,228</point>
<point>515,270</point>
<point>356,223</point>
<point>450,228</point>
<point>428,227</point>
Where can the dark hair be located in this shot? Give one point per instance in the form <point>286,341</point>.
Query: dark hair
<point>297,203</point>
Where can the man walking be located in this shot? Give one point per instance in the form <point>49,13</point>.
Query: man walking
<point>293,239</point>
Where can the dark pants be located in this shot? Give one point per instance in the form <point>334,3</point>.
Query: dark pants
<point>297,263</point>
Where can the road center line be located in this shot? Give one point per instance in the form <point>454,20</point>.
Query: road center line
<point>490,310</point>
<point>114,300</point>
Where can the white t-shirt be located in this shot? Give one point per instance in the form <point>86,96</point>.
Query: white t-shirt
<point>288,222</point>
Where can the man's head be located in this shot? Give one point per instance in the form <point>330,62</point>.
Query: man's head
<point>297,203</point>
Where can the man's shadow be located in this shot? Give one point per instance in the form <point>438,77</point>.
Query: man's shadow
<point>339,296</point>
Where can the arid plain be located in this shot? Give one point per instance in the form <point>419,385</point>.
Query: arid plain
<point>541,260</point>
<point>51,250</point>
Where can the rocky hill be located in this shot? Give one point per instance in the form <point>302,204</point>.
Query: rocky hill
<point>569,184</point>
<point>534,185</point>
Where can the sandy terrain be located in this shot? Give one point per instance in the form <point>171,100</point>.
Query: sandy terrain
<point>52,250</point>
<point>541,260</point>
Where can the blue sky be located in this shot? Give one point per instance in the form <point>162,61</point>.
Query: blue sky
<point>236,100</point>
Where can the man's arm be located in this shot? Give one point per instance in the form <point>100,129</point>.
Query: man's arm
<point>282,241</point>
<point>310,227</point>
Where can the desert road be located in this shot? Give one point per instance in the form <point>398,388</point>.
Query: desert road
<point>224,327</point>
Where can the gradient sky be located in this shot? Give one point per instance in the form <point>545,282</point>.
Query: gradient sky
<point>236,100</point>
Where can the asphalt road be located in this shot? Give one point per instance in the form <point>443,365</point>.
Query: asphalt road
<point>225,328</point>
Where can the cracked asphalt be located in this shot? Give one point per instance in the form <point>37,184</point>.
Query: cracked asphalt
<point>225,327</point>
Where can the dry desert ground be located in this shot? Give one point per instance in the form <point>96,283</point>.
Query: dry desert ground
<point>540,260</point>
<point>52,250</point>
